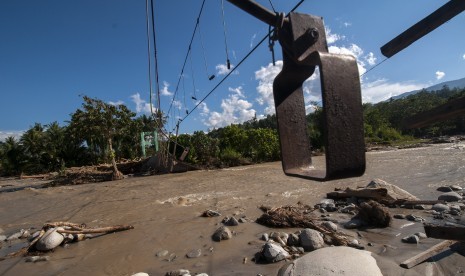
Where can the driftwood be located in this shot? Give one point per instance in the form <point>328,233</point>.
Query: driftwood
<point>410,202</point>
<point>105,230</point>
<point>423,256</point>
<point>297,216</point>
<point>445,232</point>
<point>377,194</point>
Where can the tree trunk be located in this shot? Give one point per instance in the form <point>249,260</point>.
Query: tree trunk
<point>117,175</point>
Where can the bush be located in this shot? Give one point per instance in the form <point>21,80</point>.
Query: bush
<point>230,157</point>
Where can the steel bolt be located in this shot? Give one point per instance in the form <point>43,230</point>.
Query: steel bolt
<point>313,33</point>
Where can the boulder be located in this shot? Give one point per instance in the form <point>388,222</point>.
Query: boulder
<point>273,252</point>
<point>338,260</point>
<point>311,239</point>
<point>222,233</point>
<point>394,192</point>
<point>440,207</point>
<point>450,197</point>
<point>50,240</point>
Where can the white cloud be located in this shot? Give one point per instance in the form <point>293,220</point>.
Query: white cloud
<point>222,69</point>
<point>331,38</point>
<point>177,104</point>
<point>235,109</point>
<point>14,133</point>
<point>252,40</point>
<point>164,91</point>
<point>142,106</point>
<point>370,58</point>
<point>116,103</point>
<point>440,75</point>
<point>463,56</point>
<point>382,89</point>
<point>347,24</point>
<point>204,110</point>
<point>265,77</point>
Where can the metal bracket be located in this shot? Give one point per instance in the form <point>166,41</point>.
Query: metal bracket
<point>303,41</point>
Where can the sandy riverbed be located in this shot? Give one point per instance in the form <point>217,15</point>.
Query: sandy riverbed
<point>165,212</point>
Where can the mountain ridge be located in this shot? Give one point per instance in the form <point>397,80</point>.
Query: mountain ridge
<point>459,83</point>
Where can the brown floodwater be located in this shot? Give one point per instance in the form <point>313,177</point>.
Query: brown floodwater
<point>165,209</point>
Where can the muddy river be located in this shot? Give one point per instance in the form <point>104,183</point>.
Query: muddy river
<point>165,212</point>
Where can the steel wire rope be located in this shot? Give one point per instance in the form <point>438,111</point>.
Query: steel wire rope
<point>192,76</point>
<point>209,77</point>
<point>156,65</point>
<point>228,62</point>
<point>187,55</point>
<point>234,68</point>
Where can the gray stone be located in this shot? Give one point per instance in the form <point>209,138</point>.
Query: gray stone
<point>444,189</point>
<point>394,192</point>
<point>179,272</point>
<point>311,239</point>
<point>411,239</point>
<point>399,216</point>
<point>455,212</point>
<point>222,233</point>
<point>329,261</point>
<point>140,274</point>
<point>293,240</point>
<point>421,235</point>
<point>329,225</point>
<point>2,237</point>
<point>15,236</point>
<point>349,208</point>
<point>326,201</point>
<point>450,197</point>
<point>456,188</point>
<point>242,220</point>
<point>194,253</point>
<point>265,237</point>
<point>34,259</point>
<point>50,240</point>
<point>455,207</point>
<point>440,207</point>
<point>230,221</point>
<point>162,253</point>
<point>274,253</point>
<point>353,224</point>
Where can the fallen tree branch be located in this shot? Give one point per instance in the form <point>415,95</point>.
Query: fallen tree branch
<point>110,229</point>
<point>423,256</point>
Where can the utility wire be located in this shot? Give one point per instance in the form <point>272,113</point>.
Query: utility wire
<point>224,32</point>
<point>187,55</point>
<point>156,59</point>
<point>148,51</point>
<point>373,67</point>
<point>237,66</point>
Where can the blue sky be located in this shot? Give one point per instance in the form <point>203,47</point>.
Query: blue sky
<point>53,51</point>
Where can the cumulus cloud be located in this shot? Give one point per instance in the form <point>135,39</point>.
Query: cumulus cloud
<point>164,91</point>
<point>235,109</point>
<point>11,133</point>
<point>463,56</point>
<point>177,104</point>
<point>265,77</point>
<point>347,24</point>
<point>370,58</point>
<point>382,89</point>
<point>142,106</point>
<point>116,103</point>
<point>222,69</point>
<point>331,38</point>
<point>440,75</point>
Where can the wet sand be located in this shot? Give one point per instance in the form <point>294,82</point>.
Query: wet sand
<point>165,212</point>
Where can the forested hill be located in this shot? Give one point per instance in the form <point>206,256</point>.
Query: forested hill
<point>454,84</point>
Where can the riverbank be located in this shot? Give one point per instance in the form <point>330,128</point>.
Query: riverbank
<point>165,212</point>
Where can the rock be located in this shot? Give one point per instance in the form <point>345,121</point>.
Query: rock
<point>201,274</point>
<point>455,207</point>
<point>222,233</point>
<point>414,218</point>
<point>265,237</point>
<point>230,221</point>
<point>353,224</point>
<point>33,236</point>
<point>140,274</point>
<point>210,213</point>
<point>293,240</point>
<point>399,216</point>
<point>349,208</point>
<point>15,236</point>
<point>455,213</point>
<point>242,220</point>
<point>194,253</point>
<point>456,188</point>
<point>419,207</point>
<point>2,237</point>
<point>411,239</point>
<point>439,207</point>
<point>394,192</point>
<point>329,261</point>
<point>49,240</point>
<point>421,235</point>
<point>311,239</point>
<point>326,201</point>
<point>179,272</point>
<point>273,252</point>
<point>331,226</point>
<point>162,253</point>
<point>34,259</point>
<point>450,197</point>
<point>444,189</point>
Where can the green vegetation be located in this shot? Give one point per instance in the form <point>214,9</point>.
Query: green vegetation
<point>102,133</point>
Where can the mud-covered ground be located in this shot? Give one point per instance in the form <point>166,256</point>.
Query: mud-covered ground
<point>165,211</point>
